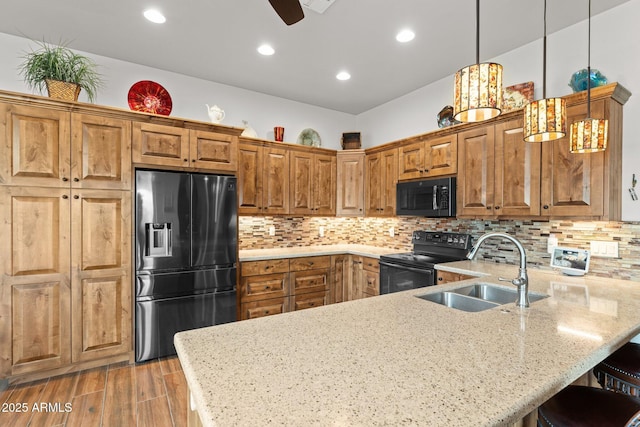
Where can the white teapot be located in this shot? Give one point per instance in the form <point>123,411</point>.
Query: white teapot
<point>216,114</point>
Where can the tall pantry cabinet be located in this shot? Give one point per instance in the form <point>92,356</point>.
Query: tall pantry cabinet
<point>65,236</point>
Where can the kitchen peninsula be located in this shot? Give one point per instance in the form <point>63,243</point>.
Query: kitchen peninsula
<point>399,360</point>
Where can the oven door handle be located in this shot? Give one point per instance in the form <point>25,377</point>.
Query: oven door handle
<point>415,270</point>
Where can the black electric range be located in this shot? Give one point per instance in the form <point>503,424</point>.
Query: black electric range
<point>403,271</point>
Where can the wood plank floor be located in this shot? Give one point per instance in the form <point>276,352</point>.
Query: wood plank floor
<point>150,394</point>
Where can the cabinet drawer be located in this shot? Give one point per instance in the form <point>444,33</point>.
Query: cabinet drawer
<point>262,308</point>
<point>310,300</point>
<point>265,286</point>
<point>371,264</point>
<point>254,268</point>
<point>310,281</point>
<point>310,263</point>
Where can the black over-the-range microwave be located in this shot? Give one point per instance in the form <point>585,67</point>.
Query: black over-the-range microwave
<point>428,197</point>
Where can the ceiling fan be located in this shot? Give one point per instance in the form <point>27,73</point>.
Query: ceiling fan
<point>289,10</point>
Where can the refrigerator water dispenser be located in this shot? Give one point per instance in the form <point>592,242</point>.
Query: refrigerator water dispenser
<point>158,239</point>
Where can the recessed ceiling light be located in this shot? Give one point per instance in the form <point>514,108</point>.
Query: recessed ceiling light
<point>266,50</point>
<point>154,16</point>
<point>343,75</point>
<point>405,36</point>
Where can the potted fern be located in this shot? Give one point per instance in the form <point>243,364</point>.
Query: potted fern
<point>63,72</point>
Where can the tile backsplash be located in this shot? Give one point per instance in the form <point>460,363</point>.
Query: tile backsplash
<point>305,231</point>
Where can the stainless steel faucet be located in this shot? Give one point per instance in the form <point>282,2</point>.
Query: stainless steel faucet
<point>522,281</point>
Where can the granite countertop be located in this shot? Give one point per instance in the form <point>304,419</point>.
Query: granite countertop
<point>399,360</point>
<point>317,250</point>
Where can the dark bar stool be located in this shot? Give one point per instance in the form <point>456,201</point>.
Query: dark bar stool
<point>588,406</point>
<point>620,372</point>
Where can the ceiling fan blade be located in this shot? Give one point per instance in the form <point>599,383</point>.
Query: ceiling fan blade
<point>289,10</point>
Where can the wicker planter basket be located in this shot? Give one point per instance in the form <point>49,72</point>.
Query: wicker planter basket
<point>62,90</point>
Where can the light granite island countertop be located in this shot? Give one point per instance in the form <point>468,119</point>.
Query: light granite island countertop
<point>399,360</point>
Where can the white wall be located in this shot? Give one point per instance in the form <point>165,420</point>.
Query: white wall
<point>615,51</point>
<point>189,96</point>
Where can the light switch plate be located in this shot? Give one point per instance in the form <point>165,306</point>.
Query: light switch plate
<point>604,249</point>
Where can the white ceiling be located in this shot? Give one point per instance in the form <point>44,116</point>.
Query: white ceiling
<point>216,40</point>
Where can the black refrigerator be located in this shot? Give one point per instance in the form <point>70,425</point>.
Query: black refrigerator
<point>185,250</point>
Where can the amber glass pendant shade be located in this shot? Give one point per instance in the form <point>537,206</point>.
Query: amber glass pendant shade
<point>589,135</point>
<point>478,92</point>
<point>545,120</point>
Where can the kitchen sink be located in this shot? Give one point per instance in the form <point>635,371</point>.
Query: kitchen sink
<point>459,301</point>
<point>477,297</point>
<point>497,294</point>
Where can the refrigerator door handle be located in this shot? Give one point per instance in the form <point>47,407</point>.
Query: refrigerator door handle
<point>158,239</point>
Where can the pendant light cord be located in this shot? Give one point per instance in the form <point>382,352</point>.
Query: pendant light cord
<point>477,31</point>
<point>544,54</point>
<point>589,66</point>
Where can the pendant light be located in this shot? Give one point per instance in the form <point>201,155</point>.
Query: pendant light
<point>589,135</point>
<point>545,119</point>
<point>478,87</point>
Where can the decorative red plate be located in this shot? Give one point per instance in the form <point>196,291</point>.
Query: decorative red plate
<point>149,97</point>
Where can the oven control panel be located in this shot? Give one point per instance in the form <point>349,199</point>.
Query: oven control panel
<point>443,240</point>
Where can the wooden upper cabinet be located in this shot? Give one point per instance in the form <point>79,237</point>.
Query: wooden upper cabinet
<point>211,150</point>
<point>350,187</point>
<point>476,171</point>
<point>160,145</point>
<point>101,152</point>
<point>164,145</point>
<point>324,184</point>
<point>441,155</point>
<point>411,161</point>
<point>250,178</point>
<point>517,173</point>
<point>574,184</point>
<point>381,177</point>
<point>499,173</point>
<point>51,148</point>
<point>275,181</point>
<point>313,183</point>
<point>263,179</point>
<point>427,158</point>
<point>35,146</point>
<point>301,173</point>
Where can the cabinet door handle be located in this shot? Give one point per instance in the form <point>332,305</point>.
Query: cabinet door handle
<point>439,279</point>
<point>489,208</point>
<point>76,179</point>
<point>65,179</point>
<point>545,207</point>
<point>76,197</point>
<point>497,207</point>
<point>64,196</point>
<point>194,160</point>
<point>185,160</point>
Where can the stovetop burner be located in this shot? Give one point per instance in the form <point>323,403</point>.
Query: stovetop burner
<point>430,248</point>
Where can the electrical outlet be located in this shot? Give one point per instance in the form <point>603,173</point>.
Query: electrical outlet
<point>321,231</point>
<point>272,230</point>
<point>604,249</point>
<point>392,232</point>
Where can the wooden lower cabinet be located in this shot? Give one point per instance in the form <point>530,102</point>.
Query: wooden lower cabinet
<point>340,273</point>
<point>280,285</point>
<point>66,289</point>
<point>448,277</point>
<point>365,277</point>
